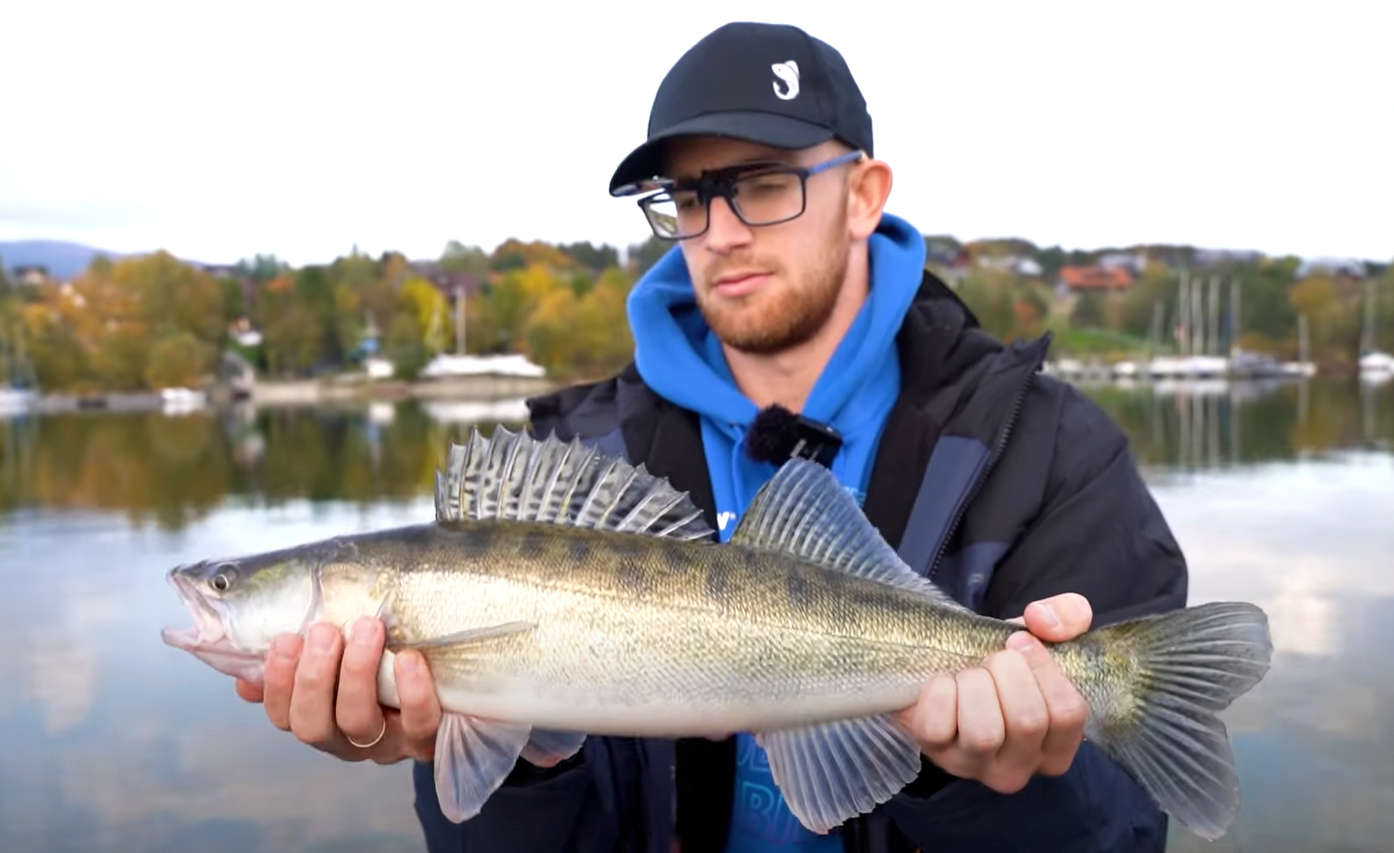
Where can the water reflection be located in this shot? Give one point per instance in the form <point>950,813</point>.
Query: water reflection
<point>174,470</point>
<point>1279,494</point>
<point>1210,424</point>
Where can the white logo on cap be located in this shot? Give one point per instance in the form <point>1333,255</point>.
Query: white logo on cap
<point>789,73</point>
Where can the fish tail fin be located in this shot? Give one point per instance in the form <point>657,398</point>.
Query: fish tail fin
<point>1180,669</point>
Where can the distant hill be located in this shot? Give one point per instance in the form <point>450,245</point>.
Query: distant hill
<point>63,260</point>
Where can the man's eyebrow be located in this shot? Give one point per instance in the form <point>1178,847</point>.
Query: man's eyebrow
<point>763,160</point>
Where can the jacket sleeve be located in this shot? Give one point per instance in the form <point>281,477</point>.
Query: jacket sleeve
<point>1097,532</point>
<point>538,813</point>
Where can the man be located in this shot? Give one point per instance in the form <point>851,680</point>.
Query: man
<point>791,291</point>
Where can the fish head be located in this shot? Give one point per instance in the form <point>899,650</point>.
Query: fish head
<point>239,605</point>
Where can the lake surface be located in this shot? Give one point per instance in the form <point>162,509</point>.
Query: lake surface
<point>1282,495</point>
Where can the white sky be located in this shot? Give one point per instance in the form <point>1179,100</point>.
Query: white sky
<point>221,130</point>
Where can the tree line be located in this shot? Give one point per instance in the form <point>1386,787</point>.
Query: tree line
<point>155,321</point>
<point>1143,317</point>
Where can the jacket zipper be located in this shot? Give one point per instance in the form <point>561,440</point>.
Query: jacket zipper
<point>997,450</point>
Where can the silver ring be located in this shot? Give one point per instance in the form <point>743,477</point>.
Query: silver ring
<point>375,740</point>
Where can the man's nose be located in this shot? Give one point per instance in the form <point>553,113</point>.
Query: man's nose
<point>725,230</point>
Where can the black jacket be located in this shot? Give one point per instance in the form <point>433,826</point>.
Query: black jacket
<point>1031,491</point>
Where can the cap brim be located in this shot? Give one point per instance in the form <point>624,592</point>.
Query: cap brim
<point>778,131</point>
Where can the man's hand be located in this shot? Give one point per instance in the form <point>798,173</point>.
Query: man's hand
<point>326,694</point>
<point>1014,716</point>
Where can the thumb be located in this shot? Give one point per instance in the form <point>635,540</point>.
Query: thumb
<point>1059,618</point>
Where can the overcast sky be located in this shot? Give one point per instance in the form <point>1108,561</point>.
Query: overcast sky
<point>221,130</point>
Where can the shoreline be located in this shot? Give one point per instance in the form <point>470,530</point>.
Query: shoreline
<point>306,392</point>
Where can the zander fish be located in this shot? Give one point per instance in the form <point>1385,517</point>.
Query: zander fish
<point>562,592</point>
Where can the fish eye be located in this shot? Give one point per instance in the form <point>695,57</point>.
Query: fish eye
<point>222,581</point>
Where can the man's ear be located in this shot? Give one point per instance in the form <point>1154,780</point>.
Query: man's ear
<point>867,191</point>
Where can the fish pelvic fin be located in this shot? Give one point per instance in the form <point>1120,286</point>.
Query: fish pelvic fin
<point>512,476</point>
<point>805,512</point>
<point>830,772</point>
<point>1180,669</point>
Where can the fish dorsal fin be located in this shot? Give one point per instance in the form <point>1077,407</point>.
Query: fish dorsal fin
<point>805,512</point>
<point>514,477</point>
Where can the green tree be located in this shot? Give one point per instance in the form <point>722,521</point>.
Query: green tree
<point>293,333</point>
<point>1088,311</point>
<point>262,268</point>
<point>419,328</point>
<point>460,259</point>
<point>592,257</point>
<point>405,347</point>
<point>234,297</point>
<point>179,359</point>
<point>644,255</point>
<point>60,362</point>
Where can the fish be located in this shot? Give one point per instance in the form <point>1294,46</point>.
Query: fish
<point>562,592</point>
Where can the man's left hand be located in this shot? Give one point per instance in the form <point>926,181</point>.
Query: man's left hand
<point>1014,716</point>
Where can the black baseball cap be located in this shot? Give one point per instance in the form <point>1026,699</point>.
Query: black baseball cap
<point>766,83</point>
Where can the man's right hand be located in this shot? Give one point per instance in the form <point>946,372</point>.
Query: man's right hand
<point>326,694</point>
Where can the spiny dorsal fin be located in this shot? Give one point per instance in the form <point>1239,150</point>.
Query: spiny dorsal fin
<point>512,476</point>
<point>804,511</point>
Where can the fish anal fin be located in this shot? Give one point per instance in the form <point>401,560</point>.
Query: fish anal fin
<point>473,757</point>
<point>805,512</point>
<point>829,772</point>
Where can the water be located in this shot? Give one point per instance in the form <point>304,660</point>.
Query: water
<point>1281,495</point>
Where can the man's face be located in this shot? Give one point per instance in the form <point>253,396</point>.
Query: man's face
<point>765,289</point>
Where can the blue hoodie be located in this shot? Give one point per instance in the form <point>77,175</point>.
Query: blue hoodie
<point>680,358</point>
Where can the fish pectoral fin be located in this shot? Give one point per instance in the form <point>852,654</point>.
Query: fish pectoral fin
<point>548,748</point>
<point>473,757</point>
<point>468,636</point>
<point>830,772</point>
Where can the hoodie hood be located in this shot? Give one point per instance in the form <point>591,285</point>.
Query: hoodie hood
<point>680,358</point>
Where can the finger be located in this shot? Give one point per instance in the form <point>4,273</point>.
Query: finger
<point>356,711</point>
<point>420,707</point>
<point>1065,707</point>
<point>312,702</point>
<point>1059,618</point>
<point>278,678</point>
<point>980,727</point>
<point>249,691</point>
<point>933,719</point>
<point>1024,718</point>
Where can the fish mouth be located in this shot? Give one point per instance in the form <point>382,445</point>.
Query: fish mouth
<point>207,639</point>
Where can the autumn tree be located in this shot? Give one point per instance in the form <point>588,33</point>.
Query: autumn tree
<point>103,329</point>
<point>418,330</point>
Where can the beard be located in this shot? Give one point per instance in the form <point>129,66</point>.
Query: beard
<point>784,313</point>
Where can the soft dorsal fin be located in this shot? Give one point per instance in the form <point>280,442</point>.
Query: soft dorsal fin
<point>512,476</point>
<point>804,511</point>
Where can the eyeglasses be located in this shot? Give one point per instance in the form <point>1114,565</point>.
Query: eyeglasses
<point>758,193</point>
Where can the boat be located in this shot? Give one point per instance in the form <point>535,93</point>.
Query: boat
<point>17,401</point>
<point>1376,363</point>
